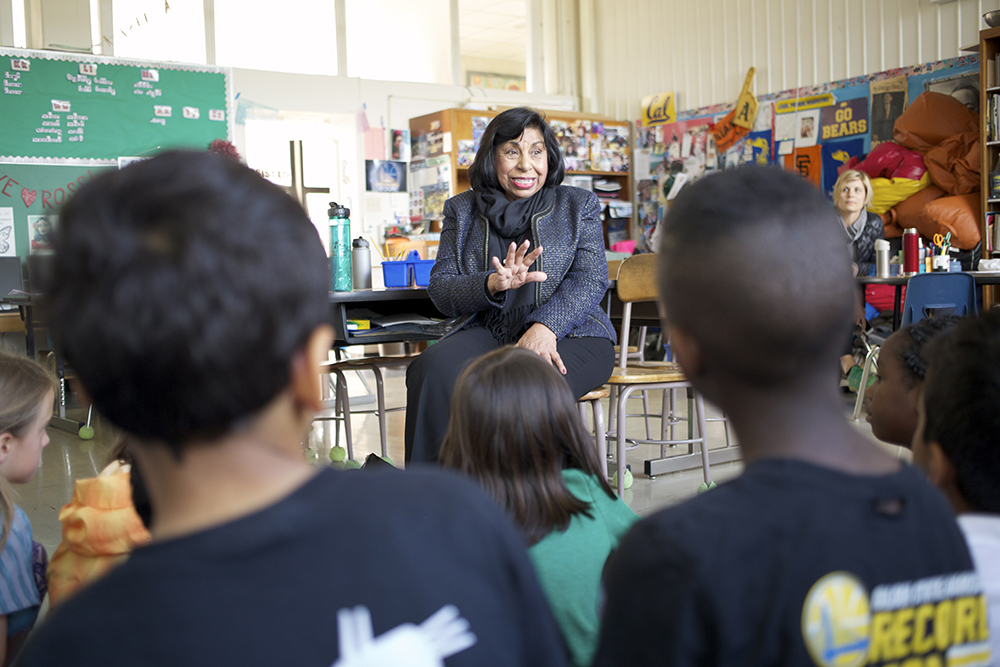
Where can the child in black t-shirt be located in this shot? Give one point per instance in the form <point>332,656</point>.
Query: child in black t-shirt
<point>191,298</point>
<point>956,441</point>
<point>826,546</point>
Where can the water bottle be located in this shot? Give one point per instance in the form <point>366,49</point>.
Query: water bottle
<point>882,258</point>
<point>340,248</point>
<point>911,251</point>
<point>361,263</point>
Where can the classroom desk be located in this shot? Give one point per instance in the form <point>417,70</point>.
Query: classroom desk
<point>981,278</point>
<point>384,301</point>
<point>26,304</point>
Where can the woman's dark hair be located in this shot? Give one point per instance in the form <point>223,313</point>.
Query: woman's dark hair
<point>507,126</point>
<point>961,396</point>
<point>514,427</point>
<point>182,288</point>
<point>915,337</point>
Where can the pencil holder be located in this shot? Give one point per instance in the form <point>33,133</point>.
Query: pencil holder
<point>422,271</point>
<point>396,274</point>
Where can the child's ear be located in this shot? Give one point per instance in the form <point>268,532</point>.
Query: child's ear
<point>686,350</point>
<point>6,442</point>
<point>940,470</point>
<point>305,368</point>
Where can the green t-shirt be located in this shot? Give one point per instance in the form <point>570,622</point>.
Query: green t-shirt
<point>569,563</point>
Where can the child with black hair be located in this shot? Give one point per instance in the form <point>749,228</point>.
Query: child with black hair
<point>892,402</point>
<point>191,298</point>
<point>956,441</point>
<point>826,550</point>
<point>516,430</point>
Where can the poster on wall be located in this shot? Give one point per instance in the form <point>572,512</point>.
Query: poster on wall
<point>888,103</point>
<point>807,128</point>
<point>400,145</point>
<point>385,176</point>
<point>963,87</point>
<point>8,236</point>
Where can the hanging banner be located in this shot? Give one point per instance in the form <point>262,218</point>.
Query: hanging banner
<point>804,103</point>
<point>844,120</point>
<point>658,109</point>
<point>726,133</point>
<point>807,163</point>
<point>835,155</point>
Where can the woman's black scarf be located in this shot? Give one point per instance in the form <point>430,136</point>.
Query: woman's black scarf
<point>510,222</point>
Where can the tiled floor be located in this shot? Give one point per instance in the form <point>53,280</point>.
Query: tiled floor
<point>68,458</point>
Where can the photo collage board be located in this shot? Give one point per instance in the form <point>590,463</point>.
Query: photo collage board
<point>812,130</point>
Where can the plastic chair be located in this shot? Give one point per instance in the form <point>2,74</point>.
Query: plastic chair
<point>927,295</point>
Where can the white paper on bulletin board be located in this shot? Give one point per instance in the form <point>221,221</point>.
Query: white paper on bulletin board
<point>785,126</point>
<point>7,232</point>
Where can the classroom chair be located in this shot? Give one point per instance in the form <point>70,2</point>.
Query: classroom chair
<point>633,352</point>
<point>636,283</point>
<point>341,402</point>
<point>927,295</point>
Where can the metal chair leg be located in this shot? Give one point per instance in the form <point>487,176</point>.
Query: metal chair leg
<point>345,405</point>
<point>860,400</point>
<point>699,407</point>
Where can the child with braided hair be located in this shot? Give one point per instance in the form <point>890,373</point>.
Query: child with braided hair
<point>902,364</point>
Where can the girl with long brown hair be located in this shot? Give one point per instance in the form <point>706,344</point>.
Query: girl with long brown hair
<point>516,430</point>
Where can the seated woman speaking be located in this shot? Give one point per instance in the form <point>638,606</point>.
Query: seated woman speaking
<point>523,258</point>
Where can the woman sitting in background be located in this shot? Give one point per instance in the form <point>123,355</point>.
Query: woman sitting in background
<point>852,194</point>
<point>516,430</point>
<point>491,268</point>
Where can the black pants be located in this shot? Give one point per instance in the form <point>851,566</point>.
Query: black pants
<point>431,378</point>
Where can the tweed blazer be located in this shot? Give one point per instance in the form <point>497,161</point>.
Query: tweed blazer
<point>568,302</point>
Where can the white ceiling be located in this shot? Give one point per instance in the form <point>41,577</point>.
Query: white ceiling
<point>493,29</point>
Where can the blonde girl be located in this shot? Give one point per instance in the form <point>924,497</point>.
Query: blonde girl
<point>26,396</point>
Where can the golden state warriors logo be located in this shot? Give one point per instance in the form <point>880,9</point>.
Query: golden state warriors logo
<point>836,621</point>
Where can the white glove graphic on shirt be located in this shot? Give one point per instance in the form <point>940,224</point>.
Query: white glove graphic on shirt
<point>442,635</point>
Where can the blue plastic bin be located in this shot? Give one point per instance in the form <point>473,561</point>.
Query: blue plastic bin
<point>396,274</point>
<point>422,272</point>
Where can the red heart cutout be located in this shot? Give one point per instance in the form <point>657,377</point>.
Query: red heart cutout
<point>28,196</point>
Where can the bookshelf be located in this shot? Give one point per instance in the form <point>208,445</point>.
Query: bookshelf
<point>989,133</point>
<point>446,136</point>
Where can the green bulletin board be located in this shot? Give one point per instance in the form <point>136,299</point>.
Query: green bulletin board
<point>59,107</point>
<point>30,191</point>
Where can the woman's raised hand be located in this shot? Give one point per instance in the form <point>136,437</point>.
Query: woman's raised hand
<point>513,271</point>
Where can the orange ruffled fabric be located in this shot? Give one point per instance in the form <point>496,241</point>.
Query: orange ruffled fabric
<point>100,528</point>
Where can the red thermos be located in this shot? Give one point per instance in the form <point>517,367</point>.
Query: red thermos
<point>911,252</point>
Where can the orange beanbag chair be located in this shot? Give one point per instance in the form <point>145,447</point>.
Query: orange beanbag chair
<point>907,212</point>
<point>891,225</point>
<point>932,118</point>
<point>958,215</point>
<point>954,163</point>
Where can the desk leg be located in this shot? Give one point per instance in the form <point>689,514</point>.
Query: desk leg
<point>896,307</point>
<point>29,331</point>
